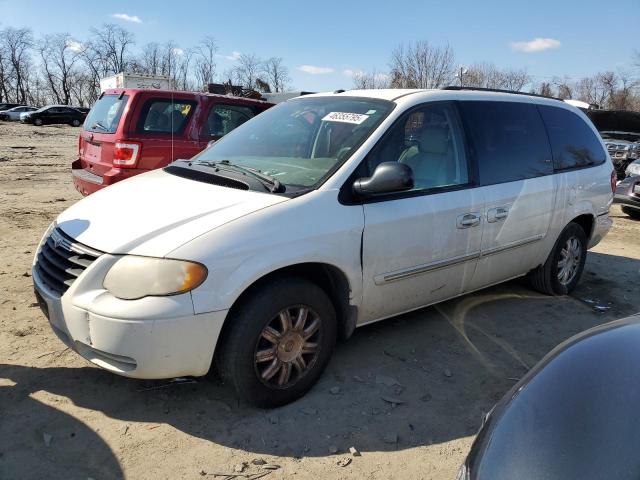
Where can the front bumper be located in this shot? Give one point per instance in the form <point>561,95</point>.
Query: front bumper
<point>151,338</point>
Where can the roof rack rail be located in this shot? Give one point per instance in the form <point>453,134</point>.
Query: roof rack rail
<point>498,90</point>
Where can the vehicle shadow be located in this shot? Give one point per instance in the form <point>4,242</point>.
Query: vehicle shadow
<point>35,437</point>
<point>418,379</point>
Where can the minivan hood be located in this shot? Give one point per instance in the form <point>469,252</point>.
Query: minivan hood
<point>156,212</point>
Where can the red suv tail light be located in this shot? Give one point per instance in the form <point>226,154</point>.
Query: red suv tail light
<point>614,181</point>
<point>125,155</point>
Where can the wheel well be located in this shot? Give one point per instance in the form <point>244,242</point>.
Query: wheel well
<point>586,222</point>
<point>331,279</point>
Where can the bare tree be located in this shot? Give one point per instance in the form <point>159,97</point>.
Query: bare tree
<point>149,60</point>
<point>564,88</point>
<point>107,52</point>
<point>545,89</point>
<point>595,89</point>
<point>205,61</point>
<point>369,80</point>
<point>58,59</point>
<point>623,93</point>
<point>420,65</point>
<point>276,74</point>
<point>17,44</point>
<point>181,77</point>
<point>113,43</point>
<point>487,75</point>
<point>247,70</point>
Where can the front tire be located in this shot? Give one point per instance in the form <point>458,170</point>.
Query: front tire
<point>279,341</point>
<point>635,214</point>
<point>562,271</point>
<point>75,123</point>
<point>37,122</point>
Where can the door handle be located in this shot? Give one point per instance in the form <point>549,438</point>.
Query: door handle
<point>498,213</point>
<point>468,220</point>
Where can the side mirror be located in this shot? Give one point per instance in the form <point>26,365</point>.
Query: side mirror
<point>388,177</point>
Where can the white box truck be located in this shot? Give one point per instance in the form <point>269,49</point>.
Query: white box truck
<point>135,80</point>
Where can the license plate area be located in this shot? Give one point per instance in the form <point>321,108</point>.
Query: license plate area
<point>92,151</point>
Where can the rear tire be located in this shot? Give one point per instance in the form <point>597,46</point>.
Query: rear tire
<point>37,122</point>
<point>274,352</point>
<point>633,213</point>
<point>75,123</point>
<point>562,270</point>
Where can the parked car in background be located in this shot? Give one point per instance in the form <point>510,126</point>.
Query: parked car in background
<point>572,416</point>
<point>324,213</point>
<point>628,191</point>
<point>7,106</point>
<point>84,110</point>
<point>620,130</point>
<point>133,131</point>
<point>13,114</point>
<point>54,114</point>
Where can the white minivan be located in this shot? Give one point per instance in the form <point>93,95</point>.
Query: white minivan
<point>322,214</point>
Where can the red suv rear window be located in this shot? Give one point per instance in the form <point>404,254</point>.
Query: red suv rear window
<point>105,115</point>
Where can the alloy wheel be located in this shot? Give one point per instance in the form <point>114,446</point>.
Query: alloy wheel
<point>570,258</point>
<point>288,346</point>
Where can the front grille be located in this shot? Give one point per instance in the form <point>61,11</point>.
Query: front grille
<point>61,260</point>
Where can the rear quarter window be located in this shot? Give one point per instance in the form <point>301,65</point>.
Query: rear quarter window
<point>163,115</point>
<point>105,115</point>
<point>224,118</point>
<point>573,142</point>
<point>508,139</point>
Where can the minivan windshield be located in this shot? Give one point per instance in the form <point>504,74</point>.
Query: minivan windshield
<point>302,141</point>
<point>105,114</point>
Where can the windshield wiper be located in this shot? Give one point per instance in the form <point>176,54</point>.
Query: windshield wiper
<point>98,124</point>
<point>271,183</point>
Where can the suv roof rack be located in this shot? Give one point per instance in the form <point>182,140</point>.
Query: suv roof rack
<point>498,90</point>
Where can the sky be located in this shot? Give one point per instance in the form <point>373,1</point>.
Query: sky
<point>323,44</point>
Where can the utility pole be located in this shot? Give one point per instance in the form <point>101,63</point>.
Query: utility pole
<point>461,74</point>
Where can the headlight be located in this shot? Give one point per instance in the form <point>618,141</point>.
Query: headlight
<point>633,169</point>
<point>134,277</point>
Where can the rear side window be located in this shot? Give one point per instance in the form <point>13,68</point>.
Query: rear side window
<point>105,115</point>
<point>165,116</point>
<point>573,143</point>
<point>509,141</point>
<point>224,118</point>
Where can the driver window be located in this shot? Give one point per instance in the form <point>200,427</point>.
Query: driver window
<point>429,141</point>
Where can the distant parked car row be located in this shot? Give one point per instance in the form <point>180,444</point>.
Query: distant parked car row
<point>51,114</point>
<point>13,114</point>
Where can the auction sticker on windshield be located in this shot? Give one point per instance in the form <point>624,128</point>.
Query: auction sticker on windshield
<point>346,117</point>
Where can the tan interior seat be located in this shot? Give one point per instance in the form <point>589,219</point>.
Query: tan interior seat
<point>431,160</point>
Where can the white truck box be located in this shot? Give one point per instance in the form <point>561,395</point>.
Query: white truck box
<point>134,80</point>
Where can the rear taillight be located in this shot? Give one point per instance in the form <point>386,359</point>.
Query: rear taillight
<point>614,181</point>
<point>125,155</point>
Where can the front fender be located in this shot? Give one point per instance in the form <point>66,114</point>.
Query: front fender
<point>316,229</point>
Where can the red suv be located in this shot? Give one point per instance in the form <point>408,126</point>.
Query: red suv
<point>131,131</point>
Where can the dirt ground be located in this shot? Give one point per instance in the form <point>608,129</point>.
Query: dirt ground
<point>61,417</point>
